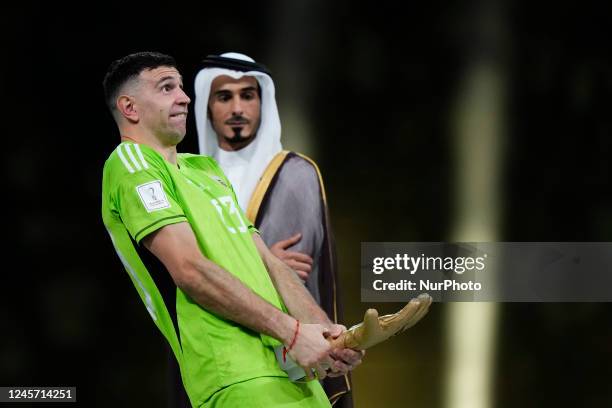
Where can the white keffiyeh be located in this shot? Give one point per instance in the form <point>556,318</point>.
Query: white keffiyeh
<point>243,167</point>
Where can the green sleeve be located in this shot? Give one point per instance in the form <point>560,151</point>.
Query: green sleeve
<point>146,201</point>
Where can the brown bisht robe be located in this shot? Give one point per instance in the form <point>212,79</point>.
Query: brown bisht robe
<point>288,199</point>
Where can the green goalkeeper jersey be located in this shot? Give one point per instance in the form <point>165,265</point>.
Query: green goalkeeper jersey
<point>142,192</point>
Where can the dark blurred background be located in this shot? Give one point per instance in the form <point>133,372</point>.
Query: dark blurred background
<point>472,121</point>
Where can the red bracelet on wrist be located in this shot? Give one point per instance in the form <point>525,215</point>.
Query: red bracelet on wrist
<point>285,349</point>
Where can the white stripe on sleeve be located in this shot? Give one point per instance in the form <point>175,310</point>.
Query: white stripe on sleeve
<point>142,159</point>
<point>123,159</point>
<point>131,155</point>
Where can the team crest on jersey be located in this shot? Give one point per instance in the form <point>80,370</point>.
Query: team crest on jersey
<point>153,196</point>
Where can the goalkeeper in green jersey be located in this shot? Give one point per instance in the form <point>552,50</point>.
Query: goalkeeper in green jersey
<point>236,316</point>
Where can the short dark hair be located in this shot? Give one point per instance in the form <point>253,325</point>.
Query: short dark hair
<point>128,67</point>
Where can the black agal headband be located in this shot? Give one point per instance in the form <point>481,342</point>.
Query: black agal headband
<point>216,61</point>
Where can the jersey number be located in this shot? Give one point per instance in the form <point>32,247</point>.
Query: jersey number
<point>229,203</point>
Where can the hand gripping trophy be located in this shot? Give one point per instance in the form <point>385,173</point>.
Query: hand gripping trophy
<point>375,329</point>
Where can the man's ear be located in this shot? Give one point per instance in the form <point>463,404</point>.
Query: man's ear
<point>127,108</point>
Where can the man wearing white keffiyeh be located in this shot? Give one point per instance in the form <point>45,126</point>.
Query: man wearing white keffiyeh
<point>281,192</point>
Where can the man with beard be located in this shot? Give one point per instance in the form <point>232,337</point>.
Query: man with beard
<point>233,302</point>
<point>281,192</point>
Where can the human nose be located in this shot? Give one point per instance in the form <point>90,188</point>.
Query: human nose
<point>183,99</point>
<point>237,106</point>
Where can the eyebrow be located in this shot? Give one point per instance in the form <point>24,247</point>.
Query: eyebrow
<point>245,89</point>
<point>168,77</point>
